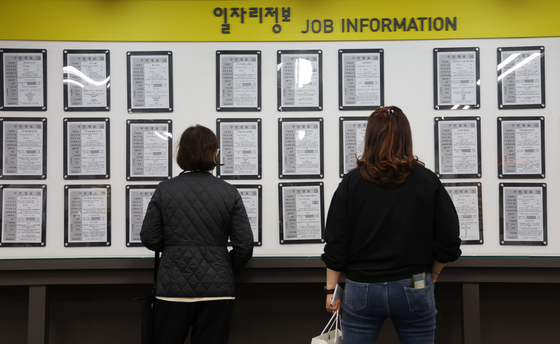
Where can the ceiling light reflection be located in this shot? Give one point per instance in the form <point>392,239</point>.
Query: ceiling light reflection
<point>304,72</point>
<point>508,60</point>
<point>76,72</point>
<point>519,65</point>
<point>74,82</point>
<point>164,136</point>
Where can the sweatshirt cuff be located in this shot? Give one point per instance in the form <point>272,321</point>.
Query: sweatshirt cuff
<point>336,266</point>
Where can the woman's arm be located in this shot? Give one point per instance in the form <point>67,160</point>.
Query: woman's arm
<point>332,281</point>
<point>436,270</point>
<point>241,236</point>
<point>447,242</point>
<point>151,233</point>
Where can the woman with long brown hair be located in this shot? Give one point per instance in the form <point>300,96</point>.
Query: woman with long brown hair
<point>389,219</point>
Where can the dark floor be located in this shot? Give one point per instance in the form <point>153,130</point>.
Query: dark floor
<point>279,313</point>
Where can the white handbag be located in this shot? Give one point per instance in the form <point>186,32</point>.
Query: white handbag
<point>333,336</point>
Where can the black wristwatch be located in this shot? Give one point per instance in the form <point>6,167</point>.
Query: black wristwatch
<point>328,291</point>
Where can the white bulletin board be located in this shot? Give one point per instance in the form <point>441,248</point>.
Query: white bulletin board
<point>408,84</point>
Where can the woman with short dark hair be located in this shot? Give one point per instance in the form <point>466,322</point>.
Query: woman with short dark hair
<point>190,219</point>
<point>389,219</point>
<point>197,150</point>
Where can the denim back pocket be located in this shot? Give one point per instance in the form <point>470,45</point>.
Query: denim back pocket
<point>355,295</point>
<point>420,300</point>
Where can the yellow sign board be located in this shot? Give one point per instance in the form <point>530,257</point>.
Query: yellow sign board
<point>304,20</point>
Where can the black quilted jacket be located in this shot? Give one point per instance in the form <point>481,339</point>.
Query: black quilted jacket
<point>190,219</point>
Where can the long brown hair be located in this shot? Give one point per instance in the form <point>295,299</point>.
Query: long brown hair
<point>388,157</point>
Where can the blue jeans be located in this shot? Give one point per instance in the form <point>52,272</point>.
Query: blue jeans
<point>365,307</point>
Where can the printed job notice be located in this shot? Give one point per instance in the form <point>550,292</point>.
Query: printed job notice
<point>150,81</point>
<point>239,152</point>
<point>23,79</point>
<point>87,215</point>
<point>250,197</point>
<point>239,80</point>
<point>149,151</point>
<point>521,77</point>
<point>89,81</point>
<point>301,142</point>
<point>456,75</point>
<point>299,80</point>
<point>87,148</point>
<point>466,201</point>
<point>22,215</point>
<point>302,213</point>
<point>458,147</point>
<point>23,148</point>
<point>139,200</point>
<point>521,147</point>
<point>353,142</point>
<point>524,214</point>
<point>361,79</point>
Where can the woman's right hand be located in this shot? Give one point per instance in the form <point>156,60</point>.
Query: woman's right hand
<point>436,270</point>
<point>434,276</point>
<point>331,308</point>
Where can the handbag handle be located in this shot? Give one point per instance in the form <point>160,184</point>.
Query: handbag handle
<point>331,323</point>
<point>338,317</point>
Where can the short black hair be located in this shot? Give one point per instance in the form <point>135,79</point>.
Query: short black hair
<point>197,148</point>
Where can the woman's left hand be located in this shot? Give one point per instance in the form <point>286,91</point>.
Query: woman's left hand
<point>331,308</point>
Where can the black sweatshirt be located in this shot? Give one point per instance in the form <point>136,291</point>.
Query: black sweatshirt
<point>381,234</point>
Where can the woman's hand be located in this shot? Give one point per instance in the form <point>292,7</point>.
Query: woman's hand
<point>332,280</point>
<point>330,308</point>
<point>434,276</point>
<point>436,270</point>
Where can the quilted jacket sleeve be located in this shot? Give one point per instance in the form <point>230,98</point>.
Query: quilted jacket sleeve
<point>151,233</point>
<point>241,236</point>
